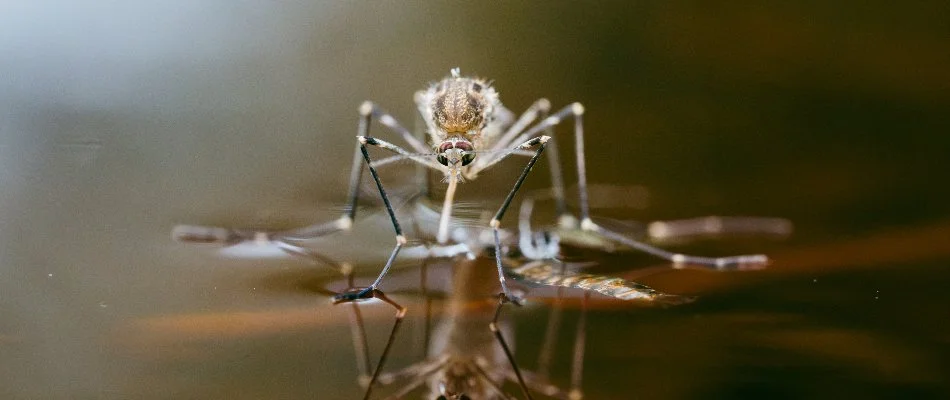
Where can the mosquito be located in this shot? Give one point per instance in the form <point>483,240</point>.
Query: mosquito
<point>460,115</point>
<point>469,132</point>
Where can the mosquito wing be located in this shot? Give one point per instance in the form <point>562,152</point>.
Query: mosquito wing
<point>545,274</point>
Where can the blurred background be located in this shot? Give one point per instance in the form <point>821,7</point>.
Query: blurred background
<point>118,121</point>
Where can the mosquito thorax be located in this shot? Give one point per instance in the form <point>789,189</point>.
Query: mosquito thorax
<point>456,110</point>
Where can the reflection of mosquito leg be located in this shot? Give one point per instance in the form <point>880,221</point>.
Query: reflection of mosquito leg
<point>577,364</point>
<point>504,345</point>
<point>487,379</point>
<point>427,304</point>
<point>550,334</point>
<point>540,245</point>
<point>358,331</point>
<point>418,378</point>
<point>400,313</point>
<point>496,221</point>
<point>316,258</point>
<point>357,328</point>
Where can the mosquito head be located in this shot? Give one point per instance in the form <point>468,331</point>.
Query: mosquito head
<point>458,106</point>
<point>455,151</point>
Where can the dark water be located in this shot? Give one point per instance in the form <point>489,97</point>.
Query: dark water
<point>117,122</point>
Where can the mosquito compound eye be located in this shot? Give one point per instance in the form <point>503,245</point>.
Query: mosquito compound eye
<point>443,159</point>
<point>467,158</point>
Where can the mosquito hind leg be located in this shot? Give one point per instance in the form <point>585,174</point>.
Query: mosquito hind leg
<point>576,110</point>
<point>715,225</point>
<point>753,261</point>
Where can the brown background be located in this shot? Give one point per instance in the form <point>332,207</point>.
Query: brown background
<point>119,121</point>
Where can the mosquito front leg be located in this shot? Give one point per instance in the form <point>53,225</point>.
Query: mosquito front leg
<point>496,221</point>
<point>400,239</point>
<point>369,110</point>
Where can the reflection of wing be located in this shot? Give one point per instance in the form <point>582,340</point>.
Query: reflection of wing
<point>544,273</point>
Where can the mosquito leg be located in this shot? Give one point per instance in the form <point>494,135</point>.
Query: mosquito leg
<point>400,239</point>
<point>577,364</point>
<point>557,176</point>
<point>713,225</point>
<point>504,345</point>
<point>400,313</point>
<point>496,221</point>
<point>422,174</point>
<point>371,109</point>
<point>682,260</point>
<point>576,111</point>
<point>540,107</point>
